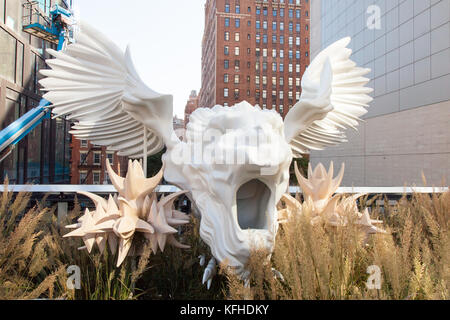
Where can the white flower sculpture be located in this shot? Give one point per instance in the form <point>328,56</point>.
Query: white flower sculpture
<point>318,190</point>
<point>116,220</point>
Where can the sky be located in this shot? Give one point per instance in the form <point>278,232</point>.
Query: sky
<point>165,38</point>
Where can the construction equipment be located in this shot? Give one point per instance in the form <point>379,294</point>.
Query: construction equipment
<point>55,27</point>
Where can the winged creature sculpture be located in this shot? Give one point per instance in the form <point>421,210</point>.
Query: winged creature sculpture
<point>95,84</point>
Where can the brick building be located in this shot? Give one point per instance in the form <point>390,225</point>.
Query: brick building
<point>88,163</point>
<point>256,51</point>
<point>43,156</point>
<point>191,106</point>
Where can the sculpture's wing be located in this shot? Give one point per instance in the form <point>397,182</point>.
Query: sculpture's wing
<point>95,84</point>
<point>334,97</point>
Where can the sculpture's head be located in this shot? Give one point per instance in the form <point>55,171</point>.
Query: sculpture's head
<point>236,163</point>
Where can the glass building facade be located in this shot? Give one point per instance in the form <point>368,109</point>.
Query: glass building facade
<point>44,155</point>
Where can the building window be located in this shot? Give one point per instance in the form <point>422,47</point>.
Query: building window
<point>257,80</point>
<point>238,9</point>
<point>249,51</point>
<point>281,12</point>
<point>297,68</point>
<point>236,79</point>
<point>83,177</point>
<point>281,81</point>
<point>225,78</point>
<point>97,158</point>
<point>281,94</point>
<point>258,24</point>
<point>236,51</point>
<point>290,54</point>
<point>265,11</point>
<point>281,109</point>
<point>297,95</point>
<point>237,23</point>
<point>258,52</point>
<point>297,82</point>
<point>281,26</point>
<point>297,55</point>
<point>291,82</point>
<point>297,41</point>
<point>258,38</point>
<point>274,67</point>
<point>274,26</point>
<point>225,92</point>
<point>274,12</point>
<point>226,64</point>
<point>274,53</point>
<point>297,14</point>
<point>8,56</point>
<point>297,27</point>
<point>264,38</point>
<point>237,65</point>
<point>264,94</point>
<point>237,36</point>
<point>281,39</point>
<point>265,25</point>
<point>227,8</point>
<point>291,13</point>
<point>227,22</point>
<point>281,67</point>
<point>227,36</point>
<point>258,10</point>
<point>264,66</point>
<point>84,143</point>
<point>264,79</point>
<point>274,38</point>
<point>110,156</point>
<point>96,177</point>
<point>236,93</point>
<point>274,81</point>
<point>291,27</point>
<point>282,53</point>
<point>83,157</point>
<point>226,50</point>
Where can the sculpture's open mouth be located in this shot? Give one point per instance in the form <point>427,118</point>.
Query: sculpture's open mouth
<point>252,200</point>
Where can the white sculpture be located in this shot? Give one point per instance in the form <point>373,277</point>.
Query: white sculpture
<point>318,190</point>
<point>135,210</point>
<point>94,83</point>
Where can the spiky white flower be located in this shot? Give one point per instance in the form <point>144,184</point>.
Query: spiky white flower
<point>116,220</point>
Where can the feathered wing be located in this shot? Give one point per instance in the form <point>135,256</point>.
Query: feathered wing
<point>334,97</point>
<point>95,84</point>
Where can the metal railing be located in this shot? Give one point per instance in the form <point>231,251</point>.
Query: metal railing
<point>107,189</point>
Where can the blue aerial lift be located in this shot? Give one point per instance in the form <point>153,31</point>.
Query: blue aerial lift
<point>54,28</point>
